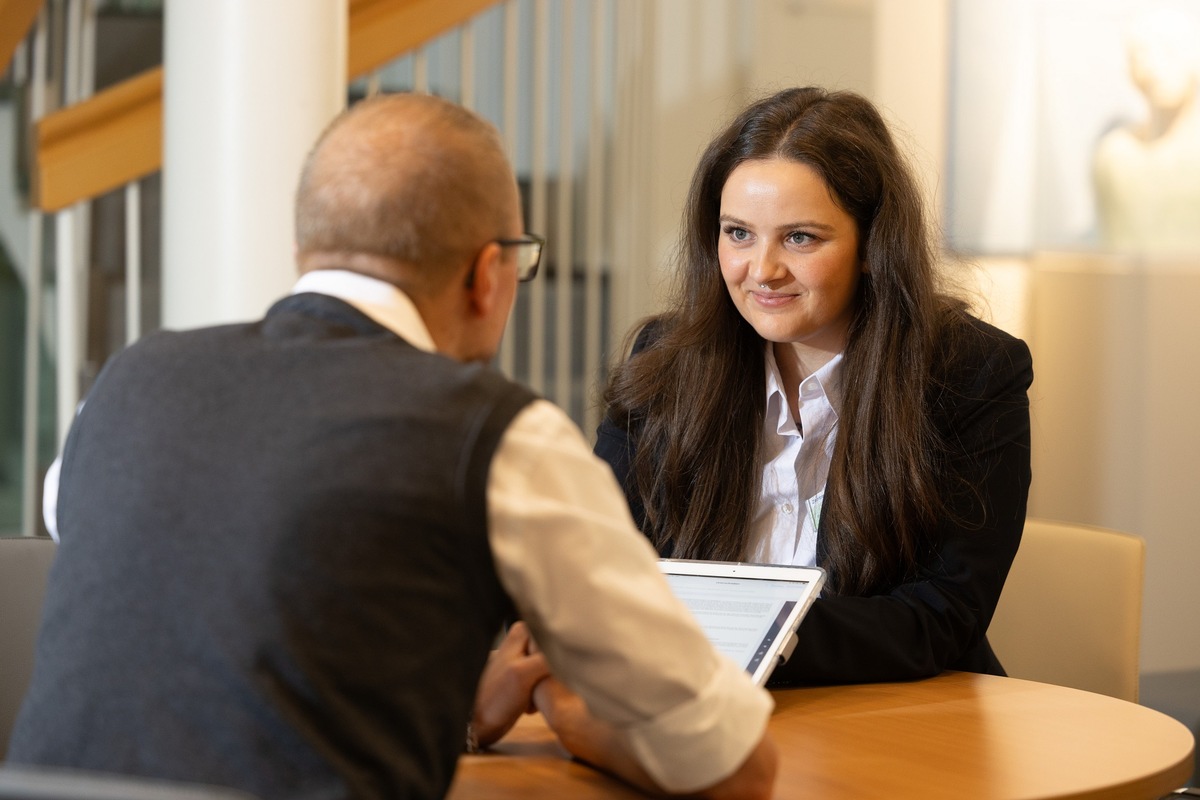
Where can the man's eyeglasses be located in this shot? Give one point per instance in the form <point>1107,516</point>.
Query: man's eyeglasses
<point>529,255</point>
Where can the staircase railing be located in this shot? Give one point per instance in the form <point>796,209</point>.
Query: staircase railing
<point>115,136</point>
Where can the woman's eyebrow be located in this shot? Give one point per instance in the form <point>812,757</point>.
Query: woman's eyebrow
<point>789,226</point>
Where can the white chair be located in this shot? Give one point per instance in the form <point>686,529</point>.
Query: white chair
<point>1071,610</point>
<point>24,566</point>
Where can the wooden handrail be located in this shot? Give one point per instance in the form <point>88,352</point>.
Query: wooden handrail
<point>102,143</point>
<point>18,16</point>
<point>115,136</point>
<point>382,30</point>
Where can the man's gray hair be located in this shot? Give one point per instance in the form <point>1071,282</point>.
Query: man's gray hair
<point>410,177</point>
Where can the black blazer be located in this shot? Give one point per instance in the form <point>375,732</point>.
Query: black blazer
<point>937,620</point>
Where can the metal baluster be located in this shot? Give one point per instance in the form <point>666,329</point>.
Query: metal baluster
<point>512,43</point>
<point>421,71</point>
<point>68,338</point>
<point>538,190</point>
<point>632,249</point>
<point>466,64</point>
<point>70,282</point>
<point>564,227</point>
<point>35,296</point>
<point>133,261</point>
<point>595,214</point>
<point>374,82</point>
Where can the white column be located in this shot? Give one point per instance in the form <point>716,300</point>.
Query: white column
<point>248,87</point>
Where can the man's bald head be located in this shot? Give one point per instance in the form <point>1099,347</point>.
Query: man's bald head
<point>411,178</point>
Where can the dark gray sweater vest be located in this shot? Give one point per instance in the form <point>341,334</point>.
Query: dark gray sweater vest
<point>274,571</point>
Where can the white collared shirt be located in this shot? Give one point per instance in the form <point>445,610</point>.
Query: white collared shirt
<point>795,466</point>
<point>586,582</point>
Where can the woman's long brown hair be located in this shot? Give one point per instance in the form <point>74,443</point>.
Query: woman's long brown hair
<point>694,400</point>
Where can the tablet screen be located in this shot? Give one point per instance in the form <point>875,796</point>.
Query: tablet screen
<point>748,612</point>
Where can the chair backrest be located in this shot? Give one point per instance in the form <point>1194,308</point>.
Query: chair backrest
<point>24,565</point>
<point>20,782</point>
<point>1071,610</point>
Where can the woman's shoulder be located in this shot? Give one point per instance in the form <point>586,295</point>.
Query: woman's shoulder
<point>650,333</point>
<point>965,335</point>
<point>970,349</point>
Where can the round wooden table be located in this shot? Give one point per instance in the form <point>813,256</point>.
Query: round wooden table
<point>959,736</point>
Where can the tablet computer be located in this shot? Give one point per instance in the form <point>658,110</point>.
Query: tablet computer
<point>750,612</point>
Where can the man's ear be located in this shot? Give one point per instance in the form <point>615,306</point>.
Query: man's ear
<point>483,281</point>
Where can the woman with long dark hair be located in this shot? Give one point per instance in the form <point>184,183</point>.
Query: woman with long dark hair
<point>812,397</point>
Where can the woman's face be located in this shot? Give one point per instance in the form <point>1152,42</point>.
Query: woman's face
<point>789,254</point>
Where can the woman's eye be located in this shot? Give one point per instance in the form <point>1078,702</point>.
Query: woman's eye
<point>737,234</point>
<point>800,237</point>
